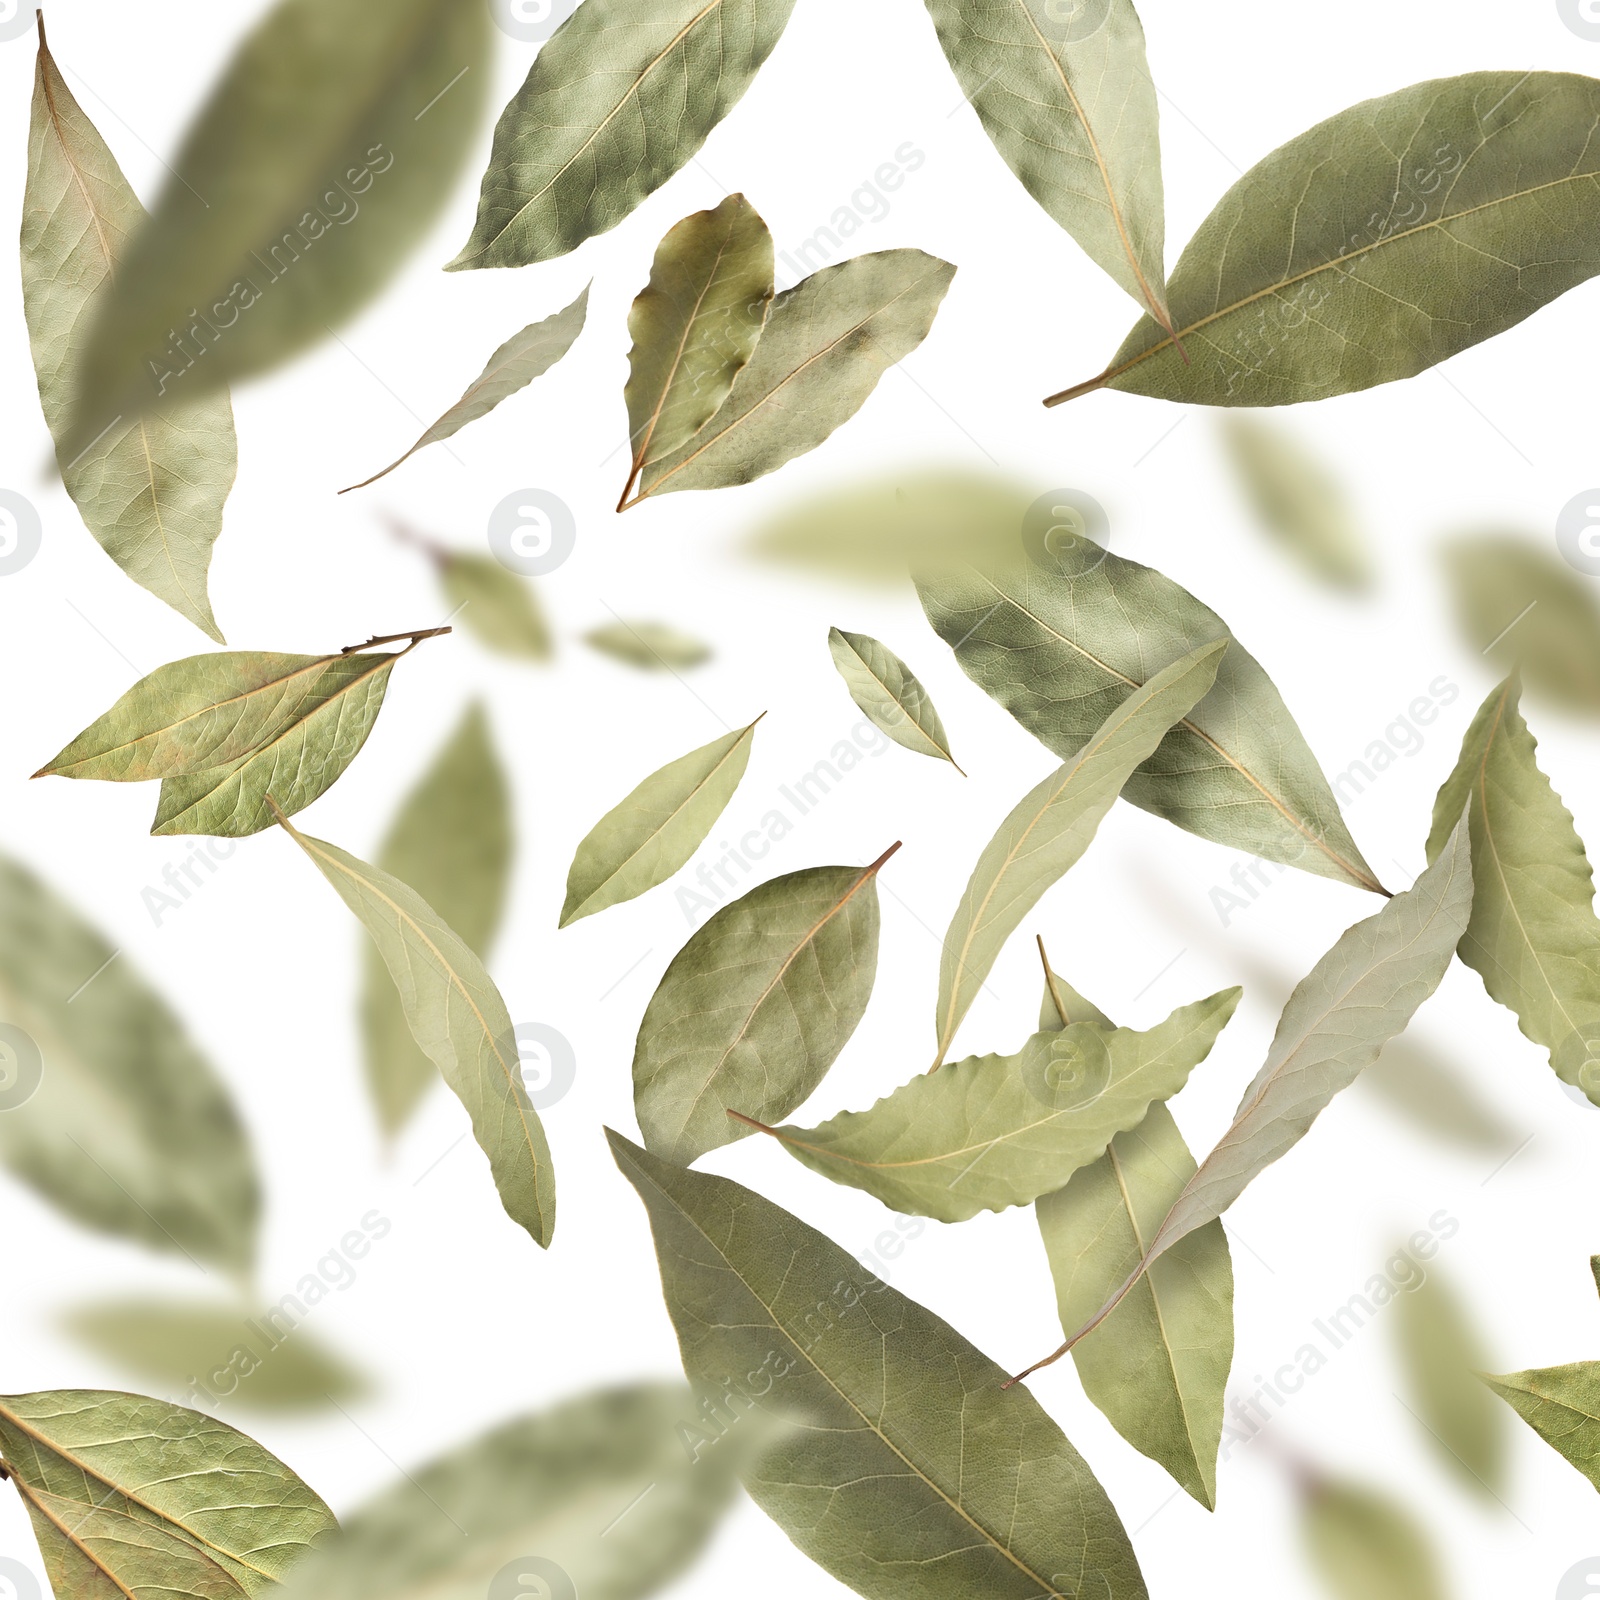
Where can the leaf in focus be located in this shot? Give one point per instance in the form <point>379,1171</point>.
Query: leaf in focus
<point>181,1475</point>
<point>126,1126</point>
<point>695,326</point>
<point>451,842</point>
<point>1534,938</point>
<point>1562,1406</point>
<point>618,99</point>
<point>1379,243</point>
<point>1059,649</point>
<point>756,1007</point>
<point>459,1019</point>
<point>150,491</point>
<point>890,693</point>
<point>319,161</point>
<point>1299,502</point>
<point>1065,93</point>
<point>643,839</point>
<point>1048,830</point>
<point>1364,1546</point>
<point>1062,1005</point>
<point>522,358</point>
<point>997,1131</point>
<point>827,342</point>
<point>909,1475</point>
<point>650,646</point>
<point>495,605</point>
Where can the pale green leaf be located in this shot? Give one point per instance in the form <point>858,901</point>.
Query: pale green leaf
<point>1062,1005</point>
<point>1364,1546</point>
<point>890,694</point>
<point>1562,1406</point>
<point>650,646</point>
<point>495,605</point>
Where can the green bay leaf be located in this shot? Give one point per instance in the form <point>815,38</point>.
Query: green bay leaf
<point>1562,1406</point>
<point>495,605</point>
<point>1365,1546</point>
<point>649,646</point>
<point>890,693</point>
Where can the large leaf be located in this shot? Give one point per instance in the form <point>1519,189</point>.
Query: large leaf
<point>1534,938</point>
<point>890,693</point>
<point>643,839</point>
<point>695,326</point>
<point>320,159</point>
<point>997,1131</point>
<point>909,1476</point>
<point>1066,95</point>
<point>1049,829</point>
<point>607,1496</point>
<point>619,99</point>
<point>451,842</point>
<point>180,1474</point>
<point>458,1018</point>
<point>756,1007</point>
<point>150,491</point>
<point>126,1126</point>
<point>827,342</point>
<point>1378,243</point>
<point>1060,650</point>
<point>1366,1547</point>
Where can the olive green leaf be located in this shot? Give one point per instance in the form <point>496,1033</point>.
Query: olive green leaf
<point>650,646</point>
<point>645,838</point>
<point>890,694</point>
<point>1361,994</point>
<point>450,841</point>
<point>522,358</point>
<point>151,491</point>
<point>114,1115</point>
<point>695,326</point>
<point>910,1476</point>
<point>457,1016</point>
<point>183,1476</point>
<point>1441,1354</point>
<point>1364,1546</point>
<point>496,606</point>
<point>1534,938</point>
<point>619,99</point>
<point>1299,502</point>
<point>1527,610</point>
<point>321,158</point>
<point>997,1131</point>
<point>827,342</point>
<point>236,1355</point>
<point>1060,650</point>
<point>540,1500</point>
<point>1378,243</point>
<point>1066,95</point>
<point>1049,829</point>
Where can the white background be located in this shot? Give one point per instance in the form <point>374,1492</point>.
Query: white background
<point>461,1318</point>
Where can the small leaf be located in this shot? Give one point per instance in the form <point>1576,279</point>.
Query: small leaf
<point>457,1016</point>
<point>151,491</point>
<point>619,99</point>
<point>695,326</point>
<point>650,646</point>
<point>890,694</point>
<point>450,841</point>
<point>909,1475</point>
<point>1562,1406</point>
<point>756,1007</point>
<point>645,838</point>
<point>1366,1547</point>
<point>498,608</point>
<point>827,342</point>
<point>522,358</point>
<point>997,1131</point>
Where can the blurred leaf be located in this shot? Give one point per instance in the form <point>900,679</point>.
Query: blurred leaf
<point>1378,243</point>
<point>458,1017</point>
<point>498,608</point>
<point>934,1484</point>
<point>1059,649</point>
<point>127,1127</point>
<point>890,693</point>
<point>650,646</point>
<point>1299,502</point>
<point>330,114</point>
<point>827,342</point>
<point>150,491</point>
<point>450,841</point>
<point>619,99</point>
<point>184,1476</point>
<point>1534,938</point>
<point>645,838</point>
<point>695,326</point>
<point>1530,611</point>
<point>1364,1546</point>
<point>756,1007</point>
<point>1048,830</point>
<point>1066,95</point>
<point>178,1344</point>
<point>1434,1095</point>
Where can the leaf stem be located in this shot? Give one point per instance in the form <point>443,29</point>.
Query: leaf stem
<point>416,636</point>
<point>1087,387</point>
<point>1050,984</point>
